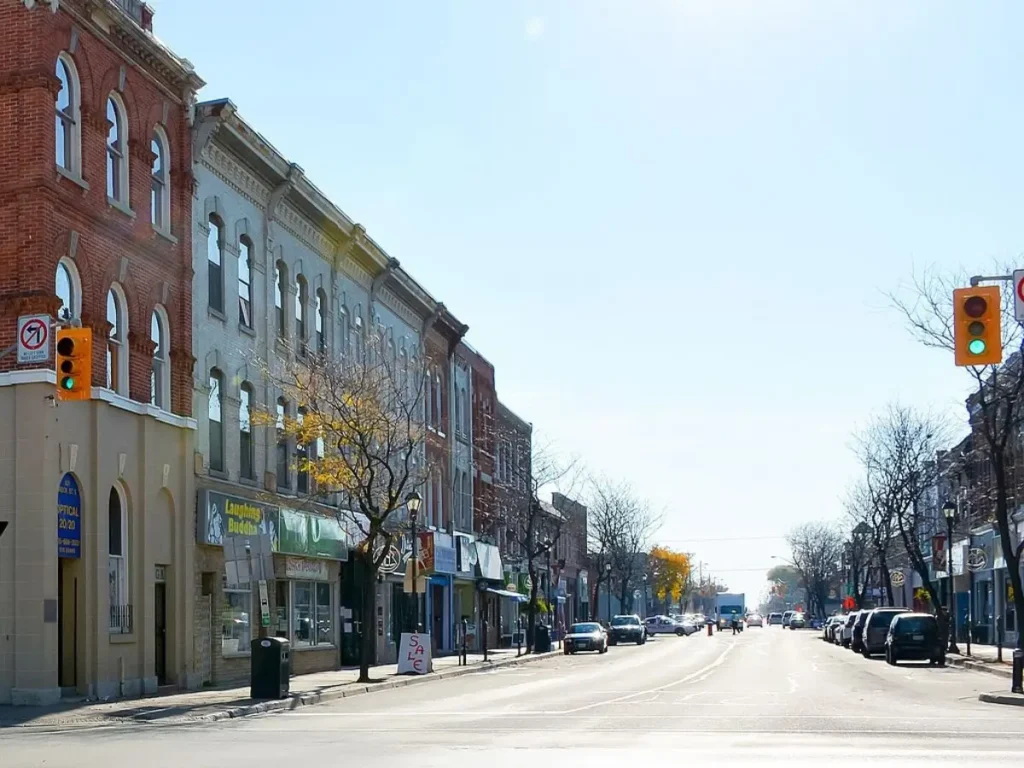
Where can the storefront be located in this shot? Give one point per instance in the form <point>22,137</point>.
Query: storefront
<point>298,553</point>
<point>442,624</point>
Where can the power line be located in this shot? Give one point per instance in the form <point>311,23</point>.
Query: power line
<point>725,538</point>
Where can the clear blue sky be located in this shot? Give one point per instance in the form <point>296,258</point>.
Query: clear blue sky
<point>669,224</point>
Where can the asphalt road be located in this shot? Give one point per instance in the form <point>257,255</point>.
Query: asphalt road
<point>764,696</point>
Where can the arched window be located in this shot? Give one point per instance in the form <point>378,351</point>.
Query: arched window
<point>69,123</point>
<point>215,409</point>
<point>301,299</point>
<point>214,261</point>
<point>343,337</point>
<point>245,281</point>
<point>160,378</point>
<point>117,563</point>
<point>302,457</point>
<point>117,151</point>
<point>160,195</point>
<point>283,482</point>
<point>280,291</point>
<point>247,467</point>
<point>117,349</point>
<point>321,321</point>
<point>68,289</point>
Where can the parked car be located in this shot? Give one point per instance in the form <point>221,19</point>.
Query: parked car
<point>627,629</point>
<point>786,617</point>
<point>817,623</point>
<point>857,636</point>
<point>774,618</point>
<point>664,625</point>
<point>797,621</point>
<point>689,622</point>
<point>914,636</point>
<point>755,620</point>
<point>827,632</point>
<point>587,636</point>
<point>876,628</point>
<point>846,632</point>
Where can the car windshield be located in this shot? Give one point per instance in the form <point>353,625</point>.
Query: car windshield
<point>881,618</point>
<point>584,629</point>
<point>621,621</point>
<point>915,624</point>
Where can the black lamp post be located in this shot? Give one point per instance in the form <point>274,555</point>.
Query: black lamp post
<point>412,503</point>
<point>547,556</point>
<point>949,512</point>
<point>608,590</point>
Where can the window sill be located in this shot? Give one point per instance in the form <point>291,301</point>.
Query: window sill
<point>116,638</point>
<point>242,328</point>
<point>306,648</point>
<point>250,481</point>
<point>220,474</point>
<point>217,314</point>
<point>281,346</point>
<point>122,207</point>
<point>73,177</point>
<point>165,234</point>
<point>237,655</point>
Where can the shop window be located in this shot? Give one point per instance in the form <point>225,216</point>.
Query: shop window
<point>324,623</point>
<point>235,613</point>
<point>312,622</point>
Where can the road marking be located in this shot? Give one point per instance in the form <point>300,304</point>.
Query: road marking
<point>792,685</point>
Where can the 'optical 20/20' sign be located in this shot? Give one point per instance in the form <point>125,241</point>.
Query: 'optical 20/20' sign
<point>69,518</point>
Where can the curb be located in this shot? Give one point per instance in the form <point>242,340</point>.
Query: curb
<point>311,699</point>
<point>1012,700</point>
<point>978,666</point>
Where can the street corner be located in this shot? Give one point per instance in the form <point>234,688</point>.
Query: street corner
<point>1002,697</point>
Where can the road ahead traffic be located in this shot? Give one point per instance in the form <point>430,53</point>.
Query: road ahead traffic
<point>766,695</point>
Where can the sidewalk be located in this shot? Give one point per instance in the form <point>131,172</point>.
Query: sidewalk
<point>221,703</point>
<point>983,658</point>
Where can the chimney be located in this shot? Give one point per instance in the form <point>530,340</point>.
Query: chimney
<point>147,18</point>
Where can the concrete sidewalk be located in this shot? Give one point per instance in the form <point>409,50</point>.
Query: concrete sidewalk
<point>983,658</point>
<point>221,703</point>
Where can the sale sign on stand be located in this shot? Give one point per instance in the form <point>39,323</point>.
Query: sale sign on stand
<point>414,654</point>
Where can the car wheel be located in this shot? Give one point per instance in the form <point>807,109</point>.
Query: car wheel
<point>604,648</point>
<point>865,653</point>
<point>941,662</point>
<point>680,632</point>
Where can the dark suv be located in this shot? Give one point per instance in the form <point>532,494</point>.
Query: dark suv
<point>914,636</point>
<point>876,629</point>
<point>627,629</point>
<point>857,637</point>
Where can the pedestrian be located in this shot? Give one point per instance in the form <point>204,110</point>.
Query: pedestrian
<point>735,623</point>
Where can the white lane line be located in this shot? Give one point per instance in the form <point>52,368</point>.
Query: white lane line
<point>792,685</point>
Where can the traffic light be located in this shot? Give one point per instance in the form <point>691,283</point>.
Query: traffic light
<point>977,335</point>
<point>74,363</point>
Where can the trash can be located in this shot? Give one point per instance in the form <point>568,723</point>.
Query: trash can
<point>269,668</point>
<point>542,639</point>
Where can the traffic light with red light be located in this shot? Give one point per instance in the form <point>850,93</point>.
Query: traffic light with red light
<point>74,363</point>
<point>977,332</point>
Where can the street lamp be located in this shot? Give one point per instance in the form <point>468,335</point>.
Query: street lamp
<point>412,503</point>
<point>608,590</point>
<point>645,595</point>
<point>949,512</point>
<point>547,556</point>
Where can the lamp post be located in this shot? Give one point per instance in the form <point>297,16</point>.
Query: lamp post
<point>949,512</point>
<point>608,590</point>
<point>547,557</point>
<point>412,503</point>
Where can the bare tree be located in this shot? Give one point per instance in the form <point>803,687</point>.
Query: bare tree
<point>605,526</point>
<point>870,541</point>
<point>995,406</point>
<point>898,454</point>
<point>817,549</point>
<point>358,438</point>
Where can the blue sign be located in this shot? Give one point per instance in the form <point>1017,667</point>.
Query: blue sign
<point>69,518</point>
<point>444,559</point>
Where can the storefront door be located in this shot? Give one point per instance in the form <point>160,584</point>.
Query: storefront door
<point>160,628</point>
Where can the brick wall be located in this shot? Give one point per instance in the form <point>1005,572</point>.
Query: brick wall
<point>45,215</point>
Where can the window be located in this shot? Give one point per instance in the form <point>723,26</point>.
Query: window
<point>312,621</point>
<point>245,446</point>
<point>321,321</point>
<point>68,290</point>
<point>117,155</point>
<point>302,458</point>
<point>459,427</point>
<point>117,563</point>
<point>235,632</point>
<point>214,410</point>
<point>282,446</point>
<point>301,298</point>
<point>215,276</point>
<point>245,282</point>
<point>160,379</point>
<point>68,126</point>
<point>280,289</point>
<point>437,399</point>
<point>117,349</point>
<point>160,187</point>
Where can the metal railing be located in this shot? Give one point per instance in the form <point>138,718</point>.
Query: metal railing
<point>120,619</point>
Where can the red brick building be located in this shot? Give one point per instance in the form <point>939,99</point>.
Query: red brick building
<point>95,229</point>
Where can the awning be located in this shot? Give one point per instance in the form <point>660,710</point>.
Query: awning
<point>507,593</point>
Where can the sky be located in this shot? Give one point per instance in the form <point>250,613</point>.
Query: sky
<point>670,225</point>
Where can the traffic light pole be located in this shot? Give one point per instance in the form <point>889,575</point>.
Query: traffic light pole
<point>979,278</point>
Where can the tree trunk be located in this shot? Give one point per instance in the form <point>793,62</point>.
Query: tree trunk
<point>1010,553</point>
<point>368,652</point>
<point>623,590</point>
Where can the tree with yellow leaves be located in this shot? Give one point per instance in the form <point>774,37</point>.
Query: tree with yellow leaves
<point>359,439</point>
<point>668,574</point>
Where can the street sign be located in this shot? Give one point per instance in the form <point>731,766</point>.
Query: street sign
<point>977,559</point>
<point>1018,295</point>
<point>897,578</point>
<point>34,339</point>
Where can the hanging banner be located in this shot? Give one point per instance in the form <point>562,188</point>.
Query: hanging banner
<point>939,552</point>
<point>69,518</point>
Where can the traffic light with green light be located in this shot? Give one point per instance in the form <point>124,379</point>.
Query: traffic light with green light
<point>977,335</point>
<point>74,363</point>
